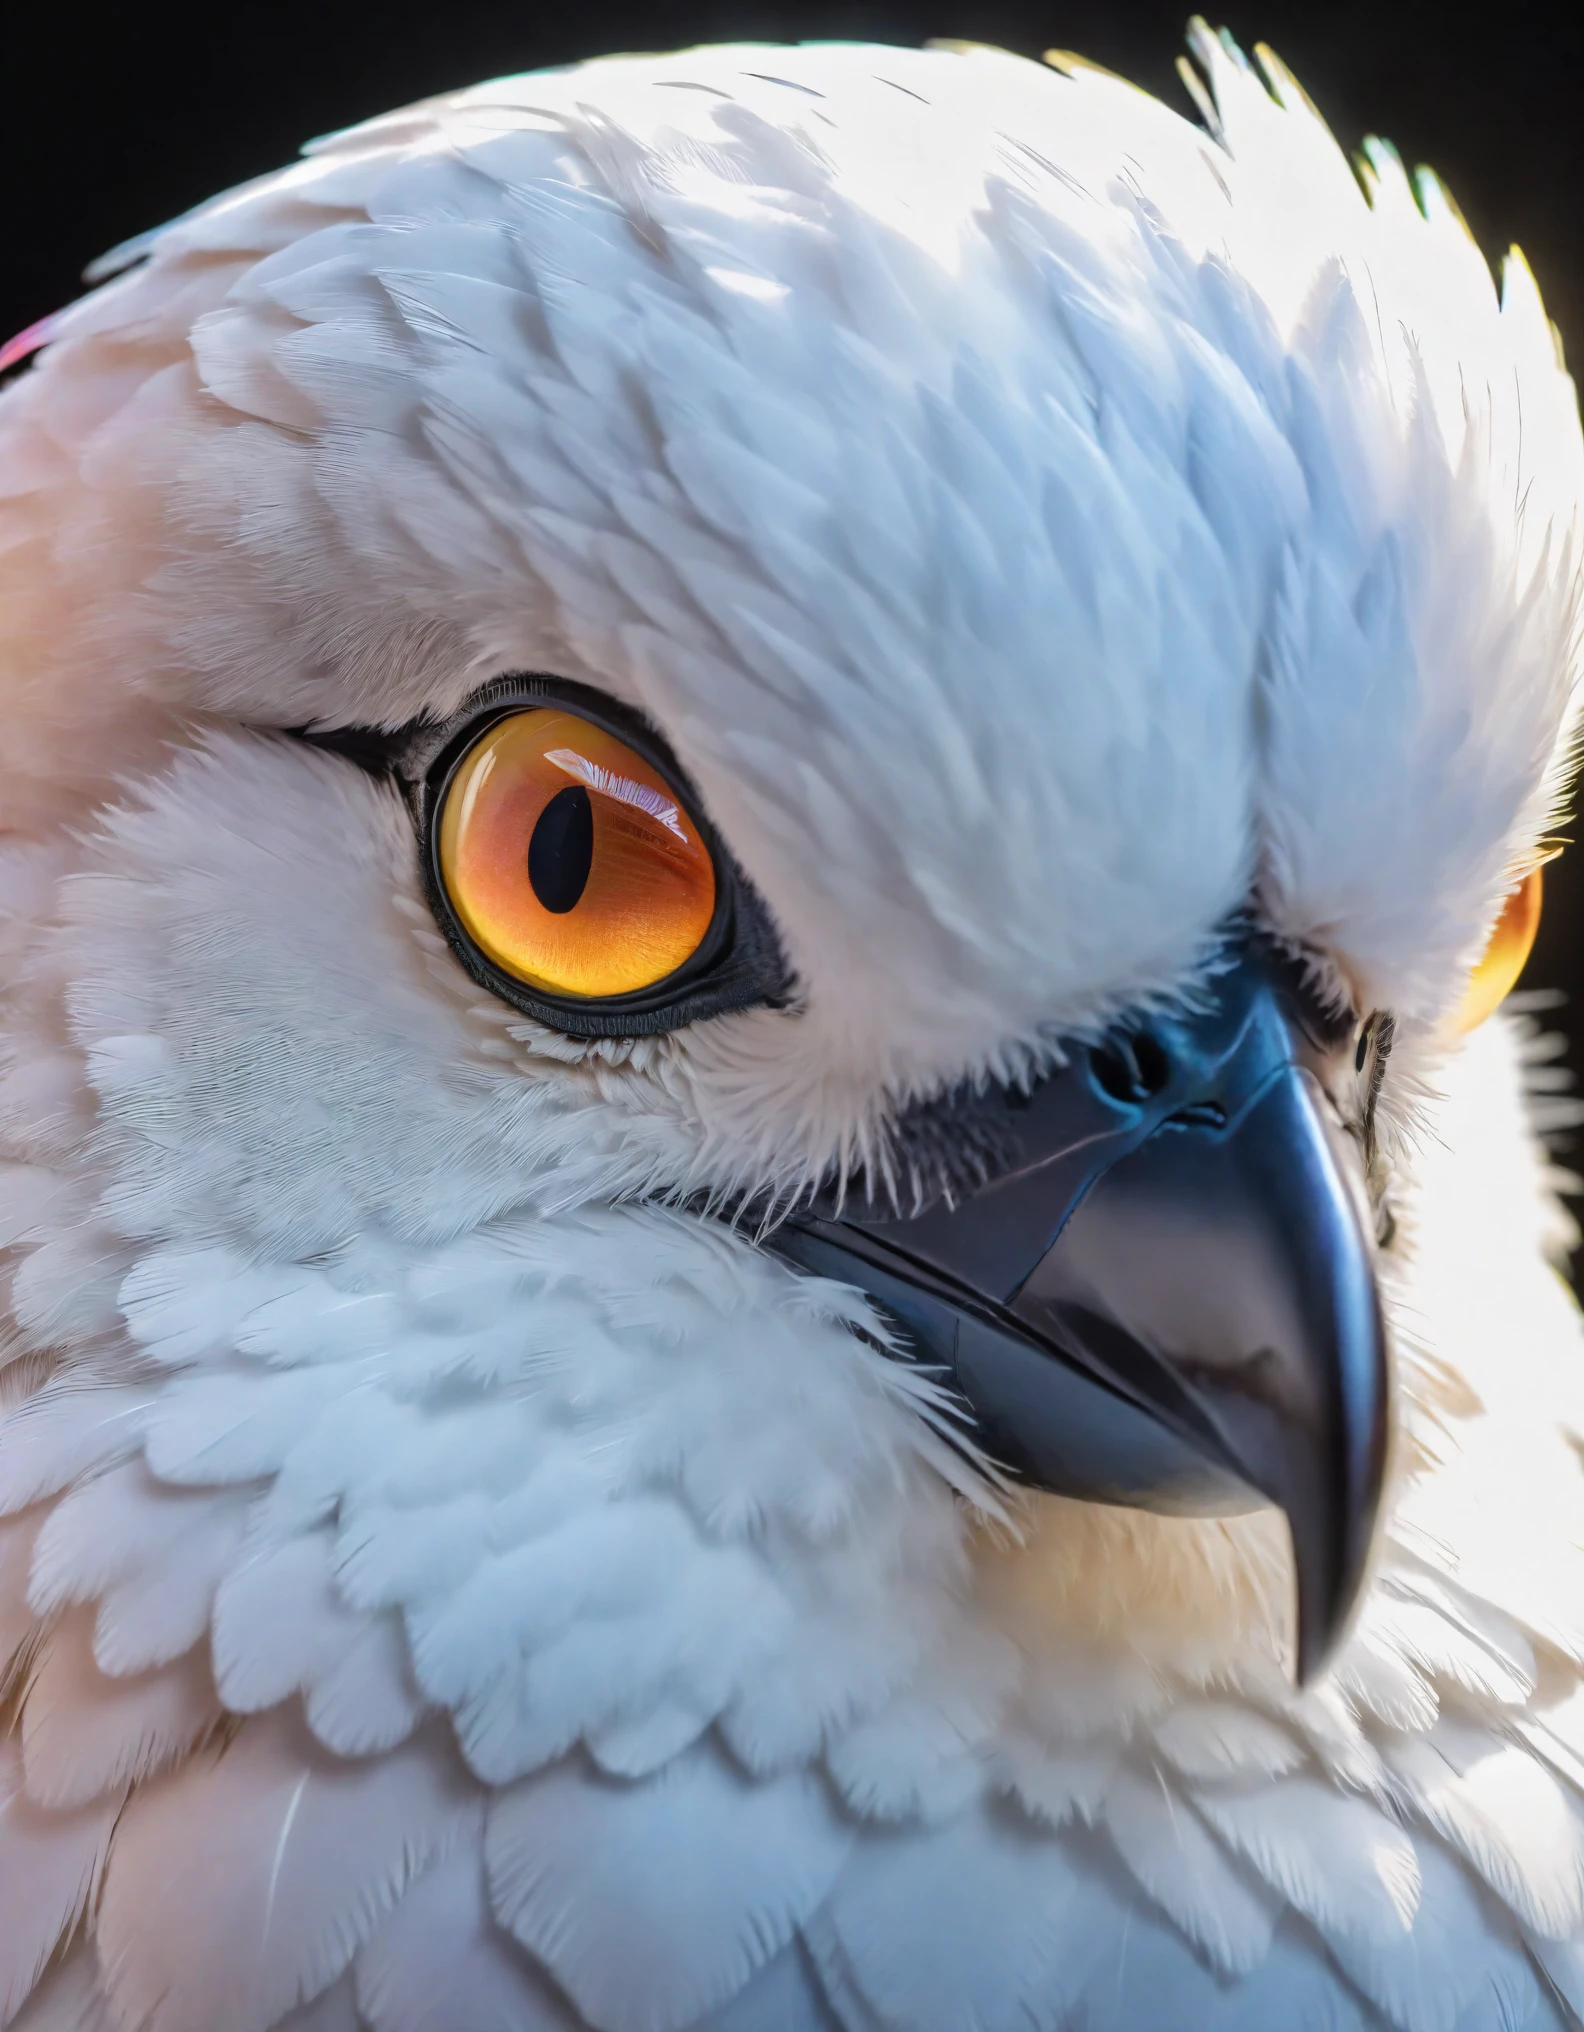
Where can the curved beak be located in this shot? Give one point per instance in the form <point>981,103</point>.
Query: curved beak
<point>1161,1292</point>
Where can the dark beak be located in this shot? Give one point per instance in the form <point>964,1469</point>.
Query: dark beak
<point>1156,1289</point>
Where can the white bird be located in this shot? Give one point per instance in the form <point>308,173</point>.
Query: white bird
<point>606,656</point>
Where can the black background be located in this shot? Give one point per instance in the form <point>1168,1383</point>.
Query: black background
<point>110,128</point>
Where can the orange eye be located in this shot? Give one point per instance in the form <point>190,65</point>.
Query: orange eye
<point>568,860</point>
<point>1510,945</point>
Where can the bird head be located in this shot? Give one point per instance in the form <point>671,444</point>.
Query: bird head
<point>794,757</point>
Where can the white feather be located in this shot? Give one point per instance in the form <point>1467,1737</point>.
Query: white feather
<point>1401,1921</point>
<point>68,1999</point>
<point>279,1625</point>
<point>160,1611</point>
<point>51,1867</point>
<point>700,1874</point>
<point>18,1623</point>
<point>112,1528</point>
<point>1214,1739</point>
<point>282,1858</point>
<point>85,1736</point>
<point>783,1997</point>
<point>63,1432</point>
<point>334,2010</point>
<point>1226,1912</point>
<point>995,1942</point>
<point>440,1959</point>
<point>1518,1825</point>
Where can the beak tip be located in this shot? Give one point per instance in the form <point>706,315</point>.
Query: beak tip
<point>1331,1565</point>
<point>1317,1642</point>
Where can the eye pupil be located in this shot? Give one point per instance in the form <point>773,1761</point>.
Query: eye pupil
<point>561,849</point>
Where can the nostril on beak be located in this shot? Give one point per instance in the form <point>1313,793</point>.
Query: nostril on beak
<point>1131,1067</point>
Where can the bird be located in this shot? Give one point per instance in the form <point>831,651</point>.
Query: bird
<point>778,1257</point>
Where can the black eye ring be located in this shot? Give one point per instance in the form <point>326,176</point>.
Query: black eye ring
<point>737,964</point>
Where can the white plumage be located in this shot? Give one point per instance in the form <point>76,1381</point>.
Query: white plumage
<point>452,1585</point>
